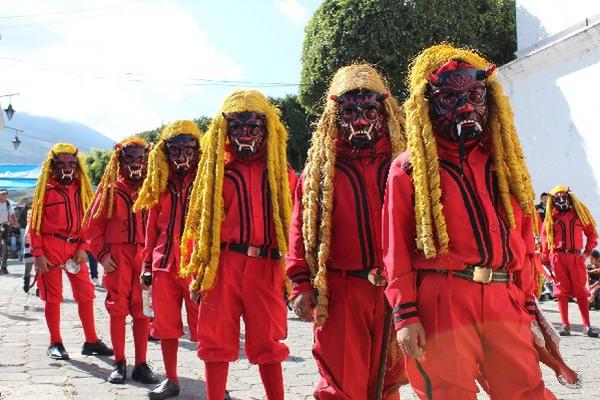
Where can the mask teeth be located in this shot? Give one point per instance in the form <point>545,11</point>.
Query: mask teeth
<point>458,129</point>
<point>67,174</point>
<point>369,132</point>
<point>477,126</point>
<point>242,146</point>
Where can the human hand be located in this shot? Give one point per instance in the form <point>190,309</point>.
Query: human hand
<point>304,304</point>
<point>411,339</point>
<point>80,256</point>
<point>108,263</point>
<point>42,264</point>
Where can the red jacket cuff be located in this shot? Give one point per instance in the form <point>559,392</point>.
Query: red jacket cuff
<point>298,289</point>
<point>37,251</point>
<point>405,322</point>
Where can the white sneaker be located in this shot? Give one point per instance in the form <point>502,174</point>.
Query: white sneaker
<point>96,282</point>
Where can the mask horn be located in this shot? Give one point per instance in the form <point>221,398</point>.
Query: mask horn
<point>490,70</point>
<point>118,146</point>
<point>334,98</point>
<point>433,79</point>
<point>382,96</point>
<point>76,151</point>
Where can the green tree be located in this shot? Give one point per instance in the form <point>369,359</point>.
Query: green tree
<point>96,162</point>
<point>152,135</point>
<point>298,123</point>
<point>390,33</point>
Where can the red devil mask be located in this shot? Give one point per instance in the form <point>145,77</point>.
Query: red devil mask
<point>247,133</point>
<point>65,168</point>
<point>562,201</point>
<point>183,153</point>
<point>361,117</point>
<point>133,163</point>
<point>458,100</point>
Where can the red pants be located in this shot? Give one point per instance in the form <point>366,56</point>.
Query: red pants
<point>347,347</point>
<point>57,251</point>
<point>570,275</point>
<point>473,328</point>
<point>124,291</point>
<point>250,288</point>
<point>168,294</point>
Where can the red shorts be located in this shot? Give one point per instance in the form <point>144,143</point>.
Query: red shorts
<point>248,288</point>
<point>570,275</point>
<point>168,294</point>
<point>58,251</point>
<point>124,291</point>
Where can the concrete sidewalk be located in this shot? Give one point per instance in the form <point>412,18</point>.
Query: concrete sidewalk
<point>27,373</point>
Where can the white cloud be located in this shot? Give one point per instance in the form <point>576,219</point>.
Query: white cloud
<point>92,57</point>
<point>292,9</point>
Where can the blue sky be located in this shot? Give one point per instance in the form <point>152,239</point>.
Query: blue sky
<point>122,66</point>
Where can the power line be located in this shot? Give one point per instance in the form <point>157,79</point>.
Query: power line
<point>138,77</point>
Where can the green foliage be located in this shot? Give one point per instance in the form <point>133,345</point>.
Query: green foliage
<point>96,162</point>
<point>390,33</point>
<point>152,136</point>
<point>298,123</point>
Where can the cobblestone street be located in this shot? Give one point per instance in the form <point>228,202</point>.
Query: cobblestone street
<point>27,373</point>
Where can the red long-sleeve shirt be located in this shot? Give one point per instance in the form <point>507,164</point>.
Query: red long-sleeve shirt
<point>359,185</point>
<point>62,214</point>
<point>247,203</point>
<point>568,234</point>
<point>165,226</point>
<point>124,226</point>
<point>476,224</point>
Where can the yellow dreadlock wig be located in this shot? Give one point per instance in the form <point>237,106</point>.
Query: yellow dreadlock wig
<point>158,164</point>
<point>583,213</point>
<point>205,215</point>
<point>86,191</point>
<point>106,187</point>
<point>509,162</point>
<point>320,169</point>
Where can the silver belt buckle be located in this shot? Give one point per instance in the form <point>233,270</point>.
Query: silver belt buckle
<point>376,277</point>
<point>253,251</point>
<point>482,274</point>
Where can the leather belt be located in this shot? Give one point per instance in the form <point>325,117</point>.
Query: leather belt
<point>374,275</point>
<point>478,274</point>
<point>253,251</point>
<point>568,251</point>
<point>67,239</point>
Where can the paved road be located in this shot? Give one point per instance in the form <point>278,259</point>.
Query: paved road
<point>26,372</point>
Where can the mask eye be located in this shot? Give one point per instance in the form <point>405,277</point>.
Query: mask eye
<point>477,96</point>
<point>372,114</point>
<point>446,100</point>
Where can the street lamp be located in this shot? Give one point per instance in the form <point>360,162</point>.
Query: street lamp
<point>10,111</point>
<point>16,141</point>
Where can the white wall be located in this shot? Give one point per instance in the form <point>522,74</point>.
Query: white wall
<point>554,94</point>
<point>539,19</point>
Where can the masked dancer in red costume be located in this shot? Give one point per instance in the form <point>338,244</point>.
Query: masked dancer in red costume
<point>62,194</point>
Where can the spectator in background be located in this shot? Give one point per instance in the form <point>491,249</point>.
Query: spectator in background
<point>27,257</point>
<point>7,217</point>
<point>541,208</point>
<point>594,279</point>
<point>21,211</point>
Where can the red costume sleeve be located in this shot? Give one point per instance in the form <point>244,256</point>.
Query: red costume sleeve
<point>36,244</point>
<point>592,239</point>
<point>150,240</point>
<point>296,268</point>
<point>293,178</point>
<point>545,249</point>
<point>398,241</point>
<point>94,232</point>
<point>524,277</point>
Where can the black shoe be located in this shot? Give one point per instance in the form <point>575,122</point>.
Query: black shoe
<point>153,339</point>
<point>564,331</point>
<point>142,373</point>
<point>3,271</point>
<point>57,351</point>
<point>26,282</point>
<point>164,390</point>
<point>227,396</point>
<point>96,349</point>
<point>590,332</point>
<point>119,373</point>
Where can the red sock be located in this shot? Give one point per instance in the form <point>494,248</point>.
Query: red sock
<point>563,307</point>
<point>52,313</point>
<point>117,337</point>
<point>272,378</point>
<point>140,339</point>
<point>169,352</point>
<point>216,379</point>
<point>584,307</point>
<point>86,315</point>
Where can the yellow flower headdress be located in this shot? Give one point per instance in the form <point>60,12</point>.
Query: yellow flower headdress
<point>203,222</point>
<point>509,162</point>
<point>86,192</point>
<point>106,187</point>
<point>158,164</point>
<point>320,169</point>
<point>584,214</point>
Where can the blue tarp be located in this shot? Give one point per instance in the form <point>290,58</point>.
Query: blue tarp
<point>16,177</point>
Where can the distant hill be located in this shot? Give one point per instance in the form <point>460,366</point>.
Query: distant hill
<point>40,133</point>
